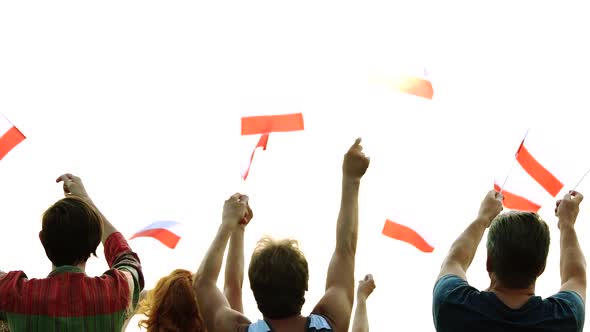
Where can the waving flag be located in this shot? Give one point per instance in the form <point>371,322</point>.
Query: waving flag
<point>163,231</point>
<point>532,180</point>
<point>10,136</point>
<point>265,125</point>
<point>515,202</point>
<point>547,180</point>
<point>406,234</point>
<point>418,84</point>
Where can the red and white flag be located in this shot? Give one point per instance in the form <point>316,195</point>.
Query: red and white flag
<point>164,231</point>
<point>10,136</point>
<point>418,84</point>
<point>266,124</point>
<point>528,184</point>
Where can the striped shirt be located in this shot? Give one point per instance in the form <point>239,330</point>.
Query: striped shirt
<point>69,300</point>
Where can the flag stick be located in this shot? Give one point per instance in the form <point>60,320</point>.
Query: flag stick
<point>512,166</point>
<point>576,186</point>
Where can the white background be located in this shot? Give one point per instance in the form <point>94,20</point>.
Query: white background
<point>143,100</point>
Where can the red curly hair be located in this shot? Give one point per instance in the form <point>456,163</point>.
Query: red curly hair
<point>172,305</point>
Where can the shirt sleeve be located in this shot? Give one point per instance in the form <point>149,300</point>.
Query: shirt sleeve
<point>10,284</point>
<point>575,302</point>
<point>442,289</point>
<point>120,257</point>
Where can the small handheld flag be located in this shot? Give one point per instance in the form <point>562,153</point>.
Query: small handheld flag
<point>163,231</point>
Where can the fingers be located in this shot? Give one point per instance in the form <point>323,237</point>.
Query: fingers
<point>576,196</point>
<point>356,145</point>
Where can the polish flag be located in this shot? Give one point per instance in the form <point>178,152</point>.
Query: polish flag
<point>417,84</point>
<point>406,234</point>
<point>266,124</point>
<point>10,136</point>
<point>163,231</point>
<point>529,182</point>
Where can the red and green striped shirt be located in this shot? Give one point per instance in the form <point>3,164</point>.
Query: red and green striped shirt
<point>69,300</point>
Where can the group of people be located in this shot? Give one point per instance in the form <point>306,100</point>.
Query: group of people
<point>69,300</point>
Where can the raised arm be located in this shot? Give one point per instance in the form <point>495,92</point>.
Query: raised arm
<point>572,262</point>
<point>361,318</point>
<point>234,267</point>
<point>117,251</point>
<point>337,302</point>
<point>463,249</point>
<point>73,186</point>
<point>215,309</point>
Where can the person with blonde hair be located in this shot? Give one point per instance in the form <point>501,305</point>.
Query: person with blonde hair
<point>278,270</point>
<point>172,305</point>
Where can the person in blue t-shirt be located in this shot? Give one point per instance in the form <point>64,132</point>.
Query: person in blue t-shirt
<point>517,248</point>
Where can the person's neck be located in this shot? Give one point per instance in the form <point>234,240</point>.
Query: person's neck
<point>514,298</point>
<point>81,266</point>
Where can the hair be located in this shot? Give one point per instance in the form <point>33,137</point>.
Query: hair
<point>518,244</point>
<point>172,305</point>
<point>71,231</point>
<point>279,277</point>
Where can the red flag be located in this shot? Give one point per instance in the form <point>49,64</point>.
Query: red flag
<point>515,202</point>
<point>271,123</point>
<point>406,234</point>
<point>10,136</point>
<point>261,144</point>
<point>417,86</point>
<point>547,180</point>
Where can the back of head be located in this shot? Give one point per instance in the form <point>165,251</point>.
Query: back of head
<point>518,244</point>
<point>71,231</point>
<point>172,305</point>
<point>278,276</point>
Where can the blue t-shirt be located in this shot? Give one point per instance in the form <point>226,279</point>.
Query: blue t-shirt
<point>457,307</point>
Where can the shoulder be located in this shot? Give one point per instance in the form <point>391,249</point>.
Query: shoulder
<point>568,303</point>
<point>451,289</point>
<point>449,284</point>
<point>11,281</point>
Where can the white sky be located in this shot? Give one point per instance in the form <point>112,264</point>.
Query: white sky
<point>143,100</point>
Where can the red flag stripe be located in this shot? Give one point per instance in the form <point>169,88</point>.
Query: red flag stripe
<point>271,123</point>
<point>537,171</point>
<point>406,234</point>
<point>262,142</point>
<point>163,235</point>
<point>515,202</point>
<point>9,140</point>
<point>417,86</point>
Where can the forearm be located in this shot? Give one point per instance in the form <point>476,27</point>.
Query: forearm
<point>208,271</point>
<point>464,248</point>
<point>361,318</point>
<point>347,227</point>
<point>107,228</point>
<point>572,261</point>
<point>234,270</point>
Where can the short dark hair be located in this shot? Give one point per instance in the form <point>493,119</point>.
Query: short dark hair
<point>518,244</point>
<point>278,275</point>
<point>71,231</point>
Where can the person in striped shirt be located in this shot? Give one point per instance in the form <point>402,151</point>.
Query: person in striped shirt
<point>67,299</point>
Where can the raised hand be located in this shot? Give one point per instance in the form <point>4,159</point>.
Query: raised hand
<point>355,162</point>
<point>72,186</point>
<point>567,209</point>
<point>366,287</point>
<point>491,206</point>
<point>236,211</point>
